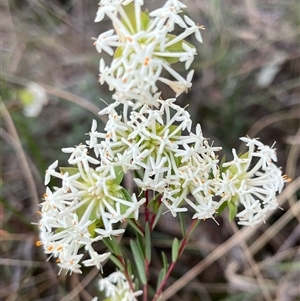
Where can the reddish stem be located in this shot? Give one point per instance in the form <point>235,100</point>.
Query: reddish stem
<point>134,221</point>
<point>145,289</point>
<point>182,246</point>
<point>127,276</point>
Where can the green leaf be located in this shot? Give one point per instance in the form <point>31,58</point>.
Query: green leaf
<point>182,223</point>
<point>130,12</point>
<point>232,207</point>
<point>221,208</point>
<point>139,260</point>
<point>136,282</point>
<point>161,276</point>
<point>125,194</point>
<point>140,243</point>
<point>119,174</point>
<point>222,169</point>
<point>71,170</point>
<point>154,203</point>
<point>158,214</point>
<point>117,262</point>
<point>147,242</point>
<point>176,47</point>
<point>128,267</point>
<point>175,248</point>
<point>135,227</point>
<point>118,52</point>
<point>112,245</point>
<point>164,261</point>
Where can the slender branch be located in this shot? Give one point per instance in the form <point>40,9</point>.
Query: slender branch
<point>182,246</point>
<point>145,289</point>
<point>127,276</point>
<point>138,226</point>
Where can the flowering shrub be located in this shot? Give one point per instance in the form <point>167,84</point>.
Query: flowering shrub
<point>174,169</point>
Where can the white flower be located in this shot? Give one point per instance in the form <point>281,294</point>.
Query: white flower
<point>252,180</point>
<point>144,46</point>
<point>105,41</point>
<point>70,216</point>
<point>33,98</point>
<point>150,142</point>
<point>117,288</point>
<point>51,172</point>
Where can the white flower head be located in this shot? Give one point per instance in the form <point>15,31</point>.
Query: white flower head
<point>252,180</point>
<point>84,209</point>
<point>142,45</point>
<point>33,98</point>
<point>117,288</point>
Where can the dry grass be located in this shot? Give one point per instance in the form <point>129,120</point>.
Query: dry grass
<point>234,93</point>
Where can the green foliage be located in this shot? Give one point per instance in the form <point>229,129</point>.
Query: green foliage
<point>119,176</point>
<point>182,223</point>
<point>113,245</point>
<point>163,271</point>
<point>229,104</point>
<point>161,276</point>
<point>232,210</point>
<point>139,260</point>
<point>147,242</point>
<point>130,12</point>
<point>176,47</point>
<point>159,213</point>
<point>134,226</point>
<point>175,249</point>
<point>117,262</point>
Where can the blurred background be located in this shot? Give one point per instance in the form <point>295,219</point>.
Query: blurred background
<point>246,83</point>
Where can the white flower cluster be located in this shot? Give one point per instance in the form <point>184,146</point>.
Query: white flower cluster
<point>117,288</point>
<point>144,48</point>
<point>150,142</point>
<point>84,209</point>
<point>152,138</point>
<point>252,180</point>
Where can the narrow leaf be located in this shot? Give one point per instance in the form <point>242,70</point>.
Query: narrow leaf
<point>182,223</point>
<point>232,207</point>
<point>140,243</point>
<point>112,245</point>
<point>158,214</point>
<point>130,12</point>
<point>71,170</point>
<point>139,260</point>
<point>147,242</point>
<point>128,267</point>
<point>175,248</point>
<point>221,208</point>
<point>117,262</point>
<point>135,227</point>
<point>161,276</point>
<point>119,174</point>
<point>165,261</point>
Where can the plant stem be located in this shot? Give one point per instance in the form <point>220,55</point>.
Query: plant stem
<point>154,215</point>
<point>127,276</point>
<point>182,246</point>
<point>145,289</point>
